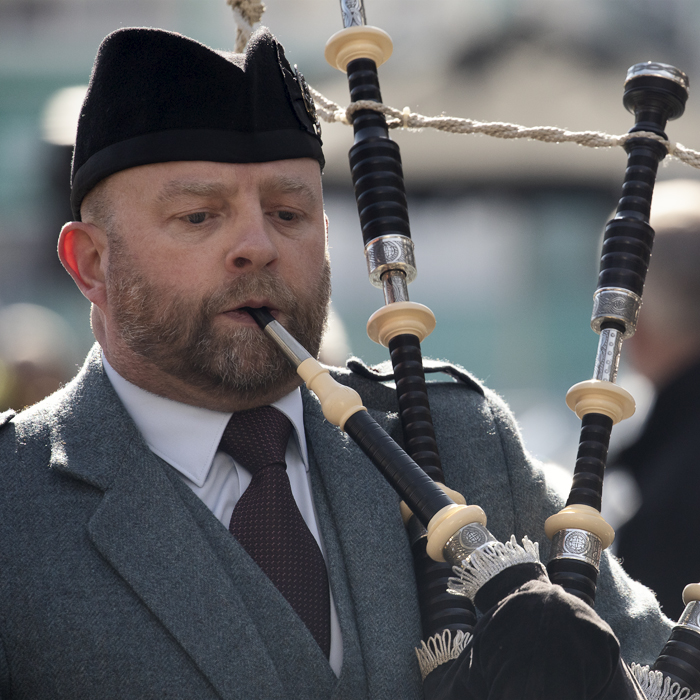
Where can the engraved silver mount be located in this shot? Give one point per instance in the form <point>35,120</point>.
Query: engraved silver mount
<point>616,304</point>
<point>691,616</point>
<point>353,13</point>
<point>395,287</point>
<point>607,359</point>
<point>465,542</point>
<point>391,252</point>
<point>577,544</point>
<point>661,70</point>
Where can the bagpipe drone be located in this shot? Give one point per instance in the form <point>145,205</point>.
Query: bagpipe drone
<point>459,564</point>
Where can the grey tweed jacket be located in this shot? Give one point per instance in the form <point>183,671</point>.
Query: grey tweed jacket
<point>117,582</point>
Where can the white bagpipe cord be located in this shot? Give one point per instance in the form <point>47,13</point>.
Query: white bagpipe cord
<point>246,13</point>
<point>249,12</point>
<point>331,112</point>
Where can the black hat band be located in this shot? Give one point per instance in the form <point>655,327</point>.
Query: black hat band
<point>193,144</point>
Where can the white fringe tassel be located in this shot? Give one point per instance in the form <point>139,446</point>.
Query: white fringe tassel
<point>440,649</point>
<point>489,560</point>
<point>657,686</point>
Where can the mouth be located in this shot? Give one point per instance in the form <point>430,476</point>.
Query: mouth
<point>243,318</point>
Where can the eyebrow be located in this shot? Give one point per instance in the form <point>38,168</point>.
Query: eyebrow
<point>277,184</point>
<point>196,188</point>
<point>285,184</point>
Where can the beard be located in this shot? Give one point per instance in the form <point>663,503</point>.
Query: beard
<point>178,335</point>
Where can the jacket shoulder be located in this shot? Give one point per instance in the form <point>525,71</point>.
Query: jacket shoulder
<point>384,372</point>
<point>376,383</point>
<point>27,436</point>
<point>24,436</point>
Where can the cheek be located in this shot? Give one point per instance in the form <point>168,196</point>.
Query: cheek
<point>184,270</point>
<point>308,267</point>
<point>303,260</point>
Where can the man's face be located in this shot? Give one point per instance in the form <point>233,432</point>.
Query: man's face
<point>191,244</point>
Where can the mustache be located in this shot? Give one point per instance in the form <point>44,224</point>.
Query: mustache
<point>261,285</point>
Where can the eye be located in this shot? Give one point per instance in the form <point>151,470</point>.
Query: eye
<point>286,215</point>
<point>198,217</point>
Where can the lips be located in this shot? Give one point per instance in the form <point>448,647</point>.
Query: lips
<point>243,317</point>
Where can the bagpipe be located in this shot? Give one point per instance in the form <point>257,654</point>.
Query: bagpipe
<point>569,652</point>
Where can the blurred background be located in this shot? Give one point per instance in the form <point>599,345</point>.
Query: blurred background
<point>507,233</point>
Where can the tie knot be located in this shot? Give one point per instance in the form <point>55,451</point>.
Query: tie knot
<point>257,437</point>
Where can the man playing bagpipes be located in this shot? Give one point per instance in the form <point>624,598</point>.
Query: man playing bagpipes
<point>180,520</point>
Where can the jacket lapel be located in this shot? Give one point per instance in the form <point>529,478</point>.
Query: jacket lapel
<point>143,531</point>
<point>376,556</point>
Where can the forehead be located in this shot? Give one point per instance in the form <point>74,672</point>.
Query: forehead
<point>164,182</point>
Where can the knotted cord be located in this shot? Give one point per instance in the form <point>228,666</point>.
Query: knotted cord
<point>331,112</point>
<point>246,13</point>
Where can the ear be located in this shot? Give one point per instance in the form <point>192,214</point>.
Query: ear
<point>81,248</point>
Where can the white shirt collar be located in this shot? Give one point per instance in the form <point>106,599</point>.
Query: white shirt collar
<point>187,437</point>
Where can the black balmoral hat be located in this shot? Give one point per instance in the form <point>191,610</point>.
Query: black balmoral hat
<point>157,96</point>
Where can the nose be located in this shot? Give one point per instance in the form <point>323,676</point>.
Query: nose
<point>251,244</point>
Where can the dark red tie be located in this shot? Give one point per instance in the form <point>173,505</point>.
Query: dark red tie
<point>267,522</point>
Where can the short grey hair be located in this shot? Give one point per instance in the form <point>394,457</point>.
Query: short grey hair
<point>97,208</point>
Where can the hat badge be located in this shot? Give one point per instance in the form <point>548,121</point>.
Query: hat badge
<point>308,100</point>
